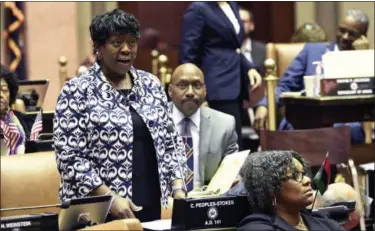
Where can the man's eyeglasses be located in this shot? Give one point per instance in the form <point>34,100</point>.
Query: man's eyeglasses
<point>185,86</point>
<point>298,176</point>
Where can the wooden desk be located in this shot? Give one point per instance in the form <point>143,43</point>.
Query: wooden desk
<point>316,112</point>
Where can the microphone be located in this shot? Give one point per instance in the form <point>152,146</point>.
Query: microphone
<point>170,131</point>
<point>63,205</point>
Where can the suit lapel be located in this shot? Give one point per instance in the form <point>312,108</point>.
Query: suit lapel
<point>224,19</point>
<point>241,35</point>
<point>204,141</point>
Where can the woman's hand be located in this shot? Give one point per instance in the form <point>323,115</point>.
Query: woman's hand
<point>179,194</point>
<point>254,78</point>
<point>122,208</point>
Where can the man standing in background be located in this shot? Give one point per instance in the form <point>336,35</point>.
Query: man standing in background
<point>253,50</point>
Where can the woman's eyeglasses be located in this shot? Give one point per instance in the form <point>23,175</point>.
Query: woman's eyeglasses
<point>185,86</point>
<point>298,176</point>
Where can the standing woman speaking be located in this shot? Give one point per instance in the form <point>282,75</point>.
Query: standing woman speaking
<point>112,131</point>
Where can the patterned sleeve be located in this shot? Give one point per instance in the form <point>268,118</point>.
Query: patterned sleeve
<point>70,141</point>
<point>178,161</point>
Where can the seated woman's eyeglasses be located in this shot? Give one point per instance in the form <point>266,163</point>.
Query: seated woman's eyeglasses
<point>298,176</point>
<point>185,86</point>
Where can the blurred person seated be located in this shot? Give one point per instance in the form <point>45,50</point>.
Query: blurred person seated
<point>351,35</point>
<point>279,190</point>
<point>208,133</point>
<point>13,130</point>
<point>309,33</point>
<point>341,192</point>
<point>253,50</point>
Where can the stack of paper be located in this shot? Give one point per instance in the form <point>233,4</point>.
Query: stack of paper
<point>348,64</point>
<point>227,172</point>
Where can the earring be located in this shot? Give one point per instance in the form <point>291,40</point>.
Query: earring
<point>98,56</point>
<point>274,202</point>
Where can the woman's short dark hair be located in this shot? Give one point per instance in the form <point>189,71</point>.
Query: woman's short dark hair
<point>113,23</point>
<point>12,80</point>
<point>264,173</point>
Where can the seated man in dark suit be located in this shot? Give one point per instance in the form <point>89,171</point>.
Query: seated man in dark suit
<point>351,35</point>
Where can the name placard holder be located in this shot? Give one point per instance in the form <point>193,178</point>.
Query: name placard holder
<point>42,222</point>
<point>347,86</point>
<point>209,213</point>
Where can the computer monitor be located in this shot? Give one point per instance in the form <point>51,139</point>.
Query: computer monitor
<point>33,92</point>
<point>93,208</point>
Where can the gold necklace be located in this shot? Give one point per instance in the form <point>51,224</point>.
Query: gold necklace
<point>301,225</point>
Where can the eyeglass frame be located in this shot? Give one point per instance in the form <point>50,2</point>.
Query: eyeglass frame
<point>295,177</point>
<point>178,85</point>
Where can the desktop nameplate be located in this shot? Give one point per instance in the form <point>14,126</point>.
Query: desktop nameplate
<point>40,222</point>
<point>347,86</point>
<point>209,213</point>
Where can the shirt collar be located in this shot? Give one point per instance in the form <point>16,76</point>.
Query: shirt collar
<point>247,45</point>
<point>178,116</point>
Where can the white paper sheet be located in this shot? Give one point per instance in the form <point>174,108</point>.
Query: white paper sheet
<point>368,166</point>
<point>227,172</point>
<point>343,64</point>
<point>165,224</point>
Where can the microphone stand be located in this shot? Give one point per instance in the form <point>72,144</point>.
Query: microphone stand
<point>63,205</point>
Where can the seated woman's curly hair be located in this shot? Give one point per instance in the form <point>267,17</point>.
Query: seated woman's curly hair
<point>264,173</point>
<point>12,81</point>
<point>113,23</point>
<point>309,32</point>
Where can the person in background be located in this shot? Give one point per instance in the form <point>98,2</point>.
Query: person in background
<point>340,192</point>
<point>309,33</point>
<point>279,190</point>
<point>112,131</point>
<point>13,130</point>
<point>210,142</point>
<point>351,35</point>
<point>253,50</point>
<point>211,38</point>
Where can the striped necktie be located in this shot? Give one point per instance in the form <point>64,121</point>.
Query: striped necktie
<point>188,140</point>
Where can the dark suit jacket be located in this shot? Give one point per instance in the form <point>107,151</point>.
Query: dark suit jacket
<point>209,40</point>
<point>258,54</point>
<point>262,222</point>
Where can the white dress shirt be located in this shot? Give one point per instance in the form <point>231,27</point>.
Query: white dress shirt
<point>246,49</point>
<point>225,7</point>
<point>178,117</point>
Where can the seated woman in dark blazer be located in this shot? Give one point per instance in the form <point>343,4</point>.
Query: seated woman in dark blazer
<point>279,190</point>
